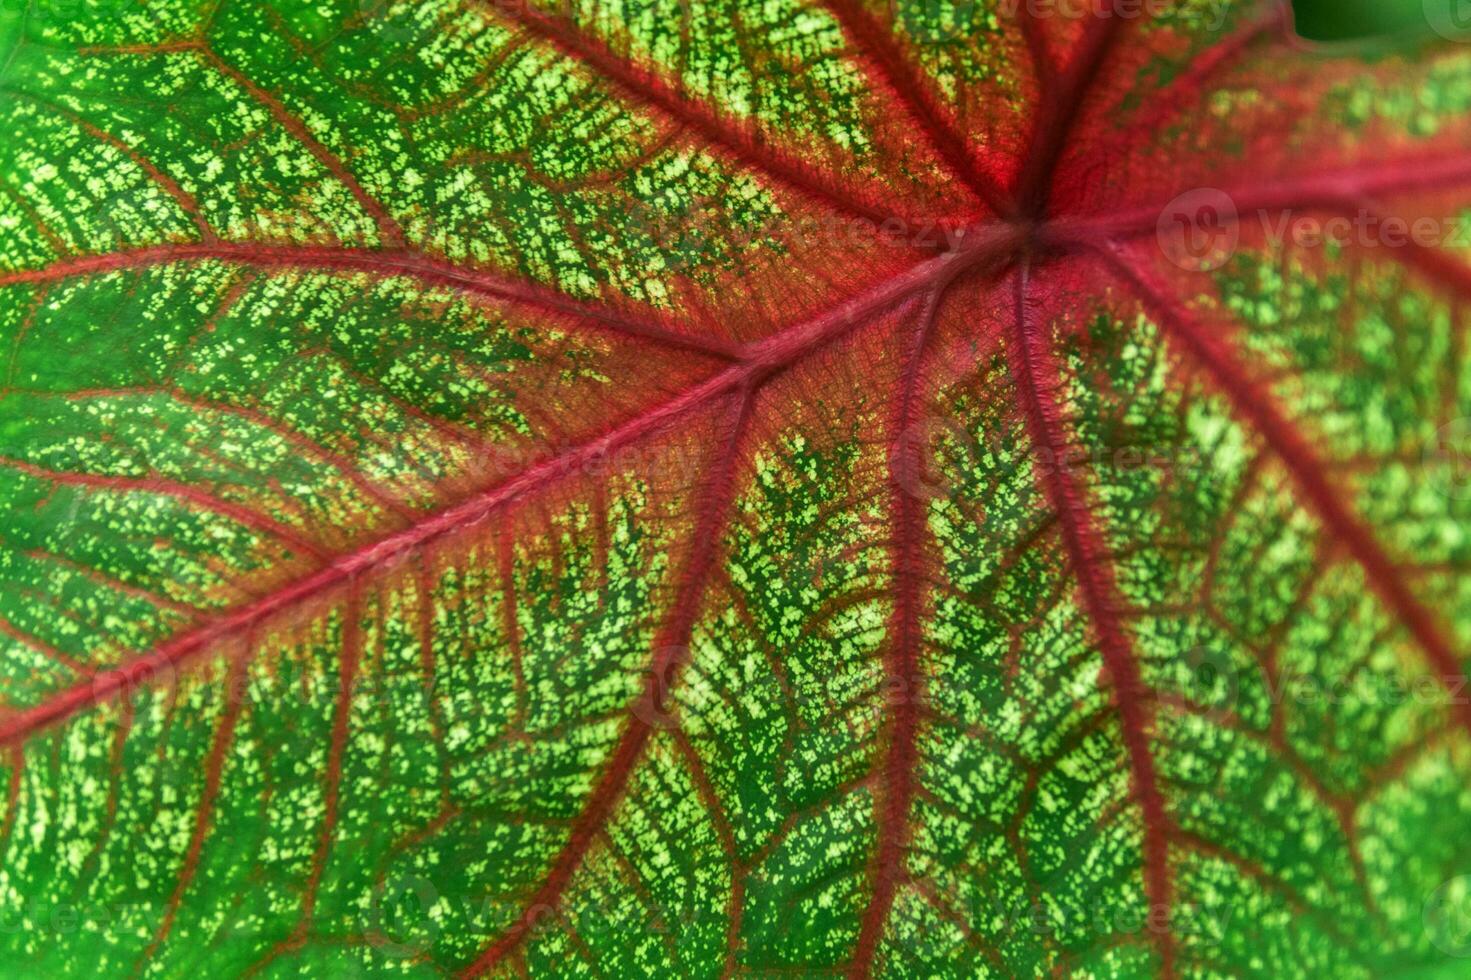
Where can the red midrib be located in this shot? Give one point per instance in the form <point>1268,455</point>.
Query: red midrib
<point>904,680</point>
<point>174,652</point>
<point>878,44</point>
<point>1058,113</point>
<point>1038,378</point>
<point>770,355</point>
<point>1331,190</point>
<point>1082,537</point>
<point>762,359</point>
<point>383,264</point>
<point>670,648</point>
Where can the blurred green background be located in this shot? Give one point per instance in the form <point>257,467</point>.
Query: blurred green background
<point>1332,20</point>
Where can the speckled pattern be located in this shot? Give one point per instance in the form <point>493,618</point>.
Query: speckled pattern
<point>667,488</point>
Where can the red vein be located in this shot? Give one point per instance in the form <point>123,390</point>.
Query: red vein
<point>179,46</point>
<point>742,143</point>
<point>1434,263</point>
<point>1168,102</point>
<point>1329,190</point>
<point>344,466</point>
<point>1044,66</point>
<point>945,907</point>
<point>352,652</point>
<point>1393,769</point>
<point>725,832</point>
<point>670,653</point>
<point>762,359</point>
<point>904,676</point>
<point>1256,405</point>
<point>877,44</point>
<point>58,245</point>
<point>214,767</point>
<point>390,264</point>
<point>30,640</point>
<point>163,486</point>
<point>106,580</point>
<point>467,438</point>
<point>389,233</point>
<point>1038,377</point>
<point>1256,873</point>
<point>1058,112</point>
<point>168,184</point>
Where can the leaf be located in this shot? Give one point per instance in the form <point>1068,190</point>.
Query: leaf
<point>686,489</point>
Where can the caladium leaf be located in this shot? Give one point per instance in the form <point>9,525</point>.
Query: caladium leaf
<point>694,488</point>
